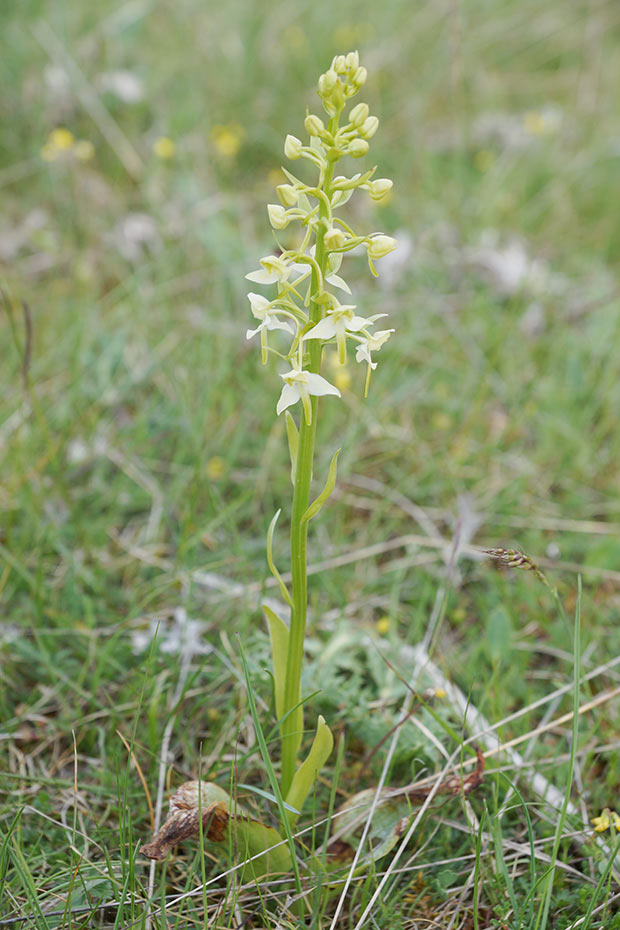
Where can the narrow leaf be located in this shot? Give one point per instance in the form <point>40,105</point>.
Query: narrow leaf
<point>307,773</point>
<point>293,443</point>
<point>278,633</point>
<point>267,796</point>
<point>316,505</point>
<point>274,571</point>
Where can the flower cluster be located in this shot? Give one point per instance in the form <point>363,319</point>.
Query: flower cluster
<point>306,306</point>
<point>62,144</point>
<point>607,819</point>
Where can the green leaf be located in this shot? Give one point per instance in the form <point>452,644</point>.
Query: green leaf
<point>293,443</point>
<point>253,838</point>
<point>306,774</point>
<point>278,633</point>
<point>272,568</point>
<point>390,820</point>
<point>316,505</point>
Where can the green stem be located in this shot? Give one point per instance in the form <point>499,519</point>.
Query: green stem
<point>291,732</point>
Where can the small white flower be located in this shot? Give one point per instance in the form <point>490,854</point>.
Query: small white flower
<point>379,188</point>
<point>271,322</point>
<point>287,194</point>
<point>278,217</point>
<point>265,311</point>
<point>370,344</point>
<point>277,269</point>
<point>293,147</point>
<point>258,305</point>
<point>299,385</point>
<point>337,324</point>
<point>369,127</point>
<point>334,238</point>
<point>379,246</point>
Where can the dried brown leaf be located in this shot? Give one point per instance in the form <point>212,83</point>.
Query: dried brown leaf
<point>191,800</point>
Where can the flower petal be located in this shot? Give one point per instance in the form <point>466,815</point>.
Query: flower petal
<point>272,322</point>
<point>262,276</point>
<point>289,396</point>
<point>356,323</point>
<point>324,329</point>
<point>319,386</point>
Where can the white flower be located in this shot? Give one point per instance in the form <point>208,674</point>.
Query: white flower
<point>370,344</point>
<point>337,324</point>
<point>299,385</point>
<point>265,311</point>
<point>277,269</point>
<point>270,322</point>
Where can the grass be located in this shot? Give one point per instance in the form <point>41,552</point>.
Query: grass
<point>142,461</point>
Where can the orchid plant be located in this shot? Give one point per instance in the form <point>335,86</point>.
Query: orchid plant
<point>306,312</point>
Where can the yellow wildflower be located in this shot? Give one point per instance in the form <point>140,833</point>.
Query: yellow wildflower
<point>382,626</point>
<point>227,139</point>
<point>216,467</point>
<point>61,138</point>
<point>606,819</point>
<point>164,148</point>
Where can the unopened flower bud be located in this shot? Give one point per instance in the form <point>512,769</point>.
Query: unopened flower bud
<point>288,194</point>
<point>369,127</point>
<point>327,82</point>
<point>359,78</point>
<point>358,148</point>
<point>314,125</point>
<point>334,238</point>
<point>292,147</point>
<point>352,61</point>
<point>379,188</point>
<point>339,64</point>
<point>358,115</point>
<point>277,216</point>
<point>380,246</point>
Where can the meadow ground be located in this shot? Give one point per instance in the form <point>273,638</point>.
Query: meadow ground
<point>142,459</point>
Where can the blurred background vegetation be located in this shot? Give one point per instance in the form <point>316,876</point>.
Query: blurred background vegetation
<point>141,456</point>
